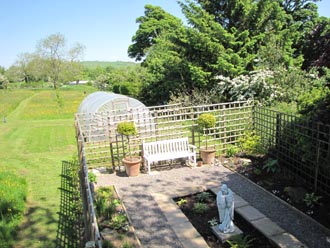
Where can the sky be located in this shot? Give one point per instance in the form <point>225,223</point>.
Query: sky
<point>104,27</point>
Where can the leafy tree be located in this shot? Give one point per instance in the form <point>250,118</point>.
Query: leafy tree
<point>55,57</point>
<point>151,26</point>
<point>317,45</point>
<point>2,70</point>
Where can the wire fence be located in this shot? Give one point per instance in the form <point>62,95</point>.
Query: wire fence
<point>301,147</point>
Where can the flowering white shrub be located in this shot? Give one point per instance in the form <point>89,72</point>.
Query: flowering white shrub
<point>253,86</point>
<point>3,82</point>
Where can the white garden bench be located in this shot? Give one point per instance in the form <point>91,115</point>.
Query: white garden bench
<point>168,149</point>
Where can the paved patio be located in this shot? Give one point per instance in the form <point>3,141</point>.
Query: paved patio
<point>142,197</point>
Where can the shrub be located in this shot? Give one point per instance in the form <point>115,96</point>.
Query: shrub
<point>127,128</point>
<point>206,121</point>
<point>202,197</point>
<point>231,150</point>
<point>271,165</point>
<point>13,191</point>
<point>251,143</point>
<point>200,208</point>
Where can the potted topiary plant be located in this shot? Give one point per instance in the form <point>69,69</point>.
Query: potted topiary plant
<point>132,163</point>
<point>205,122</point>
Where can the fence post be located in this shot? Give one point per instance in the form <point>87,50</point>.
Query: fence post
<point>317,164</point>
<point>278,135</point>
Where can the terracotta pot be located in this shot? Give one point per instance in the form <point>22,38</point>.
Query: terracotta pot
<point>132,166</point>
<point>200,163</point>
<point>208,155</point>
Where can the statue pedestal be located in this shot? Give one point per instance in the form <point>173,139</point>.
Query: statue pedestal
<point>225,236</point>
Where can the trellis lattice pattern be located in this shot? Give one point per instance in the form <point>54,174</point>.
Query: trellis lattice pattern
<point>104,147</point>
<point>301,147</point>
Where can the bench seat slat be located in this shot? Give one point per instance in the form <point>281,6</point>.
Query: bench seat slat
<point>168,149</point>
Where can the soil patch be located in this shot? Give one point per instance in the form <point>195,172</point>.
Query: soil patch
<point>204,221</point>
<point>280,184</point>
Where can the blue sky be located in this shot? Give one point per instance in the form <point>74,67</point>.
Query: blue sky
<point>104,27</point>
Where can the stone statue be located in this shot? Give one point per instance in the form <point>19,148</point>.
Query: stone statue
<point>225,202</point>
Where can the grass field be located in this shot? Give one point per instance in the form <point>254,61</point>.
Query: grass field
<point>104,64</point>
<point>37,136</point>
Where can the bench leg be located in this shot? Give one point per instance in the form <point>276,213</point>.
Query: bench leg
<point>149,170</point>
<point>194,160</point>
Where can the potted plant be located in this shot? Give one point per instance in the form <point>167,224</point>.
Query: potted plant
<point>205,122</point>
<point>132,163</point>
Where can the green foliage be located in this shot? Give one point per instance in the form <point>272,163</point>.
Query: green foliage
<point>200,208</point>
<point>203,196</point>
<point>181,202</point>
<point>104,205</point>
<point>152,25</point>
<point>128,245</point>
<point>13,192</point>
<point>3,81</point>
<point>251,143</point>
<point>127,128</point>
<point>311,199</point>
<point>213,222</point>
<point>315,104</point>
<point>231,150</point>
<point>106,64</point>
<point>240,241</point>
<point>107,244</point>
<point>257,171</point>
<point>92,177</point>
<point>271,165</point>
<point>119,221</point>
<point>36,137</point>
<point>230,39</point>
<point>206,121</point>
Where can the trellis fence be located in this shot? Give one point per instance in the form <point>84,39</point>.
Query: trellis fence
<point>301,147</point>
<point>92,235</point>
<point>103,147</point>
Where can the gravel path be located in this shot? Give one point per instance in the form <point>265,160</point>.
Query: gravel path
<point>153,229</point>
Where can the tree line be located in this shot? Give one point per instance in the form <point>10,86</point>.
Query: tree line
<point>228,38</point>
<point>272,51</point>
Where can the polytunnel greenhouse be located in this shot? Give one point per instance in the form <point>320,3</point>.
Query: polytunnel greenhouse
<point>100,112</point>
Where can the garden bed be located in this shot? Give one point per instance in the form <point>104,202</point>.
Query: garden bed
<point>202,212</point>
<point>113,221</point>
<point>265,172</point>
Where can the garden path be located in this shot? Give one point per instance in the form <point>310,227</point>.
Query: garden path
<point>152,227</point>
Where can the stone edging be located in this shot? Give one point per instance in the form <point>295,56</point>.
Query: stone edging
<point>326,230</point>
<point>129,220</point>
<point>190,238</point>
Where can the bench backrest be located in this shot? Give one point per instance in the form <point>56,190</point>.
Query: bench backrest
<point>166,146</point>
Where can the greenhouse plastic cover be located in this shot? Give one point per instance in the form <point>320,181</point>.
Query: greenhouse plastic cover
<point>107,101</point>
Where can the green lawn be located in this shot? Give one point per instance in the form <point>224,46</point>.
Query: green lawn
<point>37,136</point>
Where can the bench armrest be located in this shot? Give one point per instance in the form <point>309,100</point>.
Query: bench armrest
<point>193,147</point>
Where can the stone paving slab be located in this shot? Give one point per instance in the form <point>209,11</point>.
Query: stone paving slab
<point>286,240</point>
<point>267,227</point>
<point>249,213</point>
<point>154,229</point>
<point>194,243</point>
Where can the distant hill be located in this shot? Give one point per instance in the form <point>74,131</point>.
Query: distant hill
<point>104,64</point>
